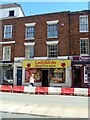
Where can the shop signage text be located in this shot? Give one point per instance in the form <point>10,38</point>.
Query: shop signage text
<point>46,63</point>
<point>81,58</point>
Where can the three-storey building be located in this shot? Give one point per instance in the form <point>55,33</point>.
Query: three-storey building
<point>54,46</point>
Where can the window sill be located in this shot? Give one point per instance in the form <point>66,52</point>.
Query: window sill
<point>6,60</point>
<point>84,55</point>
<point>53,37</point>
<point>83,31</point>
<point>29,38</point>
<point>8,38</point>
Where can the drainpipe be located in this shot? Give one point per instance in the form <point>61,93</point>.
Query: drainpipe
<point>69,50</point>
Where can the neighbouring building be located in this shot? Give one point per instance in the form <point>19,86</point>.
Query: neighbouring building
<point>54,46</point>
<point>80,48</point>
<point>7,12</point>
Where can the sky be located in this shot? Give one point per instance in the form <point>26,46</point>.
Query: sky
<point>34,8</point>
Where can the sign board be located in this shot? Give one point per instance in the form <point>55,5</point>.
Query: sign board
<point>46,63</point>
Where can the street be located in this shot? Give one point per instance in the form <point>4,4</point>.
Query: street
<point>47,105</point>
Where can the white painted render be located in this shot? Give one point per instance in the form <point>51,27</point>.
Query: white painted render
<point>4,13</point>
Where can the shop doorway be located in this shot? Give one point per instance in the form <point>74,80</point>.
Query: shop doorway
<point>19,76</point>
<point>77,76</point>
<point>45,78</point>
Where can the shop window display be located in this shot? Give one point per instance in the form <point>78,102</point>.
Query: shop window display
<point>37,73</point>
<point>87,74</point>
<point>8,76</point>
<point>57,75</point>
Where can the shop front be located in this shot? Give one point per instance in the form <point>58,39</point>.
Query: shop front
<point>81,71</point>
<point>6,73</point>
<point>48,72</point>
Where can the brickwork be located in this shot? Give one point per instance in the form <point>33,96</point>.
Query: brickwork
<point>75,34</point>
<point>68,35</point>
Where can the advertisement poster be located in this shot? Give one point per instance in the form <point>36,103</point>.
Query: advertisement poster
<point>37,74</point>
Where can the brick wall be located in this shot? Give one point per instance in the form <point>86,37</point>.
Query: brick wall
<point>75,35</point>
<point>68,37</point>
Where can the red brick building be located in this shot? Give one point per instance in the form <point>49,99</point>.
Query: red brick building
<point>80,48</point>
<point>45,45</point>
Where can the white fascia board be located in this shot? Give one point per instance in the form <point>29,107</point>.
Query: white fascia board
<point>9,42</point>
<point>52,42</point>
<point>30,24</point>
<point>16,59</point>
<point>29,44</point>
<point>53,22</point>
<point>40,58</point>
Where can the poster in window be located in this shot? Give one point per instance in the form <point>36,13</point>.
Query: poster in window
<point>57,75</point>
<point>37,74</point>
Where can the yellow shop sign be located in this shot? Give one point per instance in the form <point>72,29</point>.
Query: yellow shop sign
<point>46,63</point>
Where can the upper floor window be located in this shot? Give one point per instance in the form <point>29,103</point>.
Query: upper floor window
<point>8,31</point>
<point>29,51</point>
<point>84,23</point>
<point>30,31</point>
<point>7,53</point>
<point>52,28</point>
<point>84,46</point>
<point>52,49</point>
<point>11,13</point>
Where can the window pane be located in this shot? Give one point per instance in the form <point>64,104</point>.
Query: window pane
<point>29,52</point>
<point>52,50</point>
<point>30,31</point>
<point>52,30</point>
<point>8,76</point>
<point>8,31</point>
<point>84,23</point>
<point>84,46</point>
<point>7,53</point>
<point>57,75</point>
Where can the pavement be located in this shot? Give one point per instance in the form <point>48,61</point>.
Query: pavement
<point>51,111</point>
<point>59,111</point>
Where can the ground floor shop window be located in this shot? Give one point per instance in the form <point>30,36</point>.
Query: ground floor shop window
<point>57,75</point>
<point>37,74</point>
<point>87,74</point>
<point>8,76</point>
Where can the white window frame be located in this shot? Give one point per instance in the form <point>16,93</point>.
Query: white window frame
<point>9,55</point>
<point>8,32</point>
<point>82,16</point>
<point>29,25</point>
<point>54,22</point>
<point>28,45</point>
<point>52,43</point>
<point>87,48</point>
